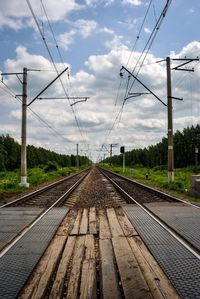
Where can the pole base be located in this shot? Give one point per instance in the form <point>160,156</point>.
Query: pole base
<point>23,182</point>
<point>170,176</point>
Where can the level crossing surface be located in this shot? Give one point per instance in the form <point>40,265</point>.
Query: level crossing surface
<point>13,220</point>
<point>179,264</point>
<point>17,263</point>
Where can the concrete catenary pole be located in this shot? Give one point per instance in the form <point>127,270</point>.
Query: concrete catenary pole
<point>170,124</point>
<point>23,181</point>
<point>77,159</point>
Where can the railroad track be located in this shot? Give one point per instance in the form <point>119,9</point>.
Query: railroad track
<point>144,196</point>
<point>96,222</point>
<point>46,196</point>
<point>141,192</point>
<point>162,219</point>
<point>43,201</point>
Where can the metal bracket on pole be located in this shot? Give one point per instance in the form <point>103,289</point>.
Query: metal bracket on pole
<point>179,99</point>
<point>187,60</point>
<point>35,98</point>
<point>124,68</point>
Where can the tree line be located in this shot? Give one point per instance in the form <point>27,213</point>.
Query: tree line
<point>156,155</point>
<point>10,153</point>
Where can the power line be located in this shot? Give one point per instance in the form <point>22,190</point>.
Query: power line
<point>11,92</point>
<point>151,39</point>
<point>52,60</point>
<point>140,30</point>
<point>143,54</point>
<point>43,7</point>
<point>118,116</point>
<point>62,60</point>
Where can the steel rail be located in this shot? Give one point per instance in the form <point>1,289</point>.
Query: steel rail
<point>171,231</point>
<point>27,229</point>
<point>152,190</point>
<point>41,190</point>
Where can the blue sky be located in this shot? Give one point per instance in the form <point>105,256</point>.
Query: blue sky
<point>95,38</point>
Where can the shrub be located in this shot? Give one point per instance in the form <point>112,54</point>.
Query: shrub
<point>51,166</point>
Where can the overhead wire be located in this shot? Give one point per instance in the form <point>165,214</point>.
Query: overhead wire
<point>10,92</point>
<point>139,32</point>
<point>144,52</point>
<point>146,49</point>
<point>54,65</point>
<point>150,40</point>
<point>62,60</point>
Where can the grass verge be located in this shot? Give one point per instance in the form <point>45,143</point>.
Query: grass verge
<point>9,180</point>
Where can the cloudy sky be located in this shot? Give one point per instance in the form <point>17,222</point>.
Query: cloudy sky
<point>94,39</point>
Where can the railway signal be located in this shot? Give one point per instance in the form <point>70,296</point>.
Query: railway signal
<point>122,151</point>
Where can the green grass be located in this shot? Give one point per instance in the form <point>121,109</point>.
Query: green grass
<point>158,178</point>
<point>9,180</point>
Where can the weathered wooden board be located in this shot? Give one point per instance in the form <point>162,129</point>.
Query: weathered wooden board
<point>84,223</point>
<point>92,221</point>
<point>88,275</point>
<point>74,281</point>
<point>115,227</point>
<point>126,225</point>
<point>104,230</point>
<point>57,288</point>
<point>157,281</point>
<point>110,289</point>
<point>75,229</point>
<point>133,283</point>
<point>40,281</point>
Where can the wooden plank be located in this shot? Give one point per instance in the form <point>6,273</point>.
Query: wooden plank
<point>92,221</point>
<point>126,225</point>
<point>157,281</point>
<point>84,223</point>
<point>110,288</point>
<point>133,283</point>
<point>74,281</point>
<point>104,230</point>
<point>89,247</point>
<point>58,284</point>
<point>38,284</point>
<point>115,227</point>
<point>75,229</point>
<point>88,277</point>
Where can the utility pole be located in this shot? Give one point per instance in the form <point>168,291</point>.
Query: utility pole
<point>170,166</point>
<point>169,109</point>
<point>110,154</point>
<point>77,159</point>
<point>23,181</point>
<point>111,146</point>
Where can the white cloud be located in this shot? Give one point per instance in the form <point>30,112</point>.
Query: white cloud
<point>15,14</point>
<point>107,30</point>
<point>143,120</point>
<point>94,3</point>
<point>67,38</point>
<point>147,30</point>
<point>115,43</point>
<point>85,27</point>
<point>132,2</point>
